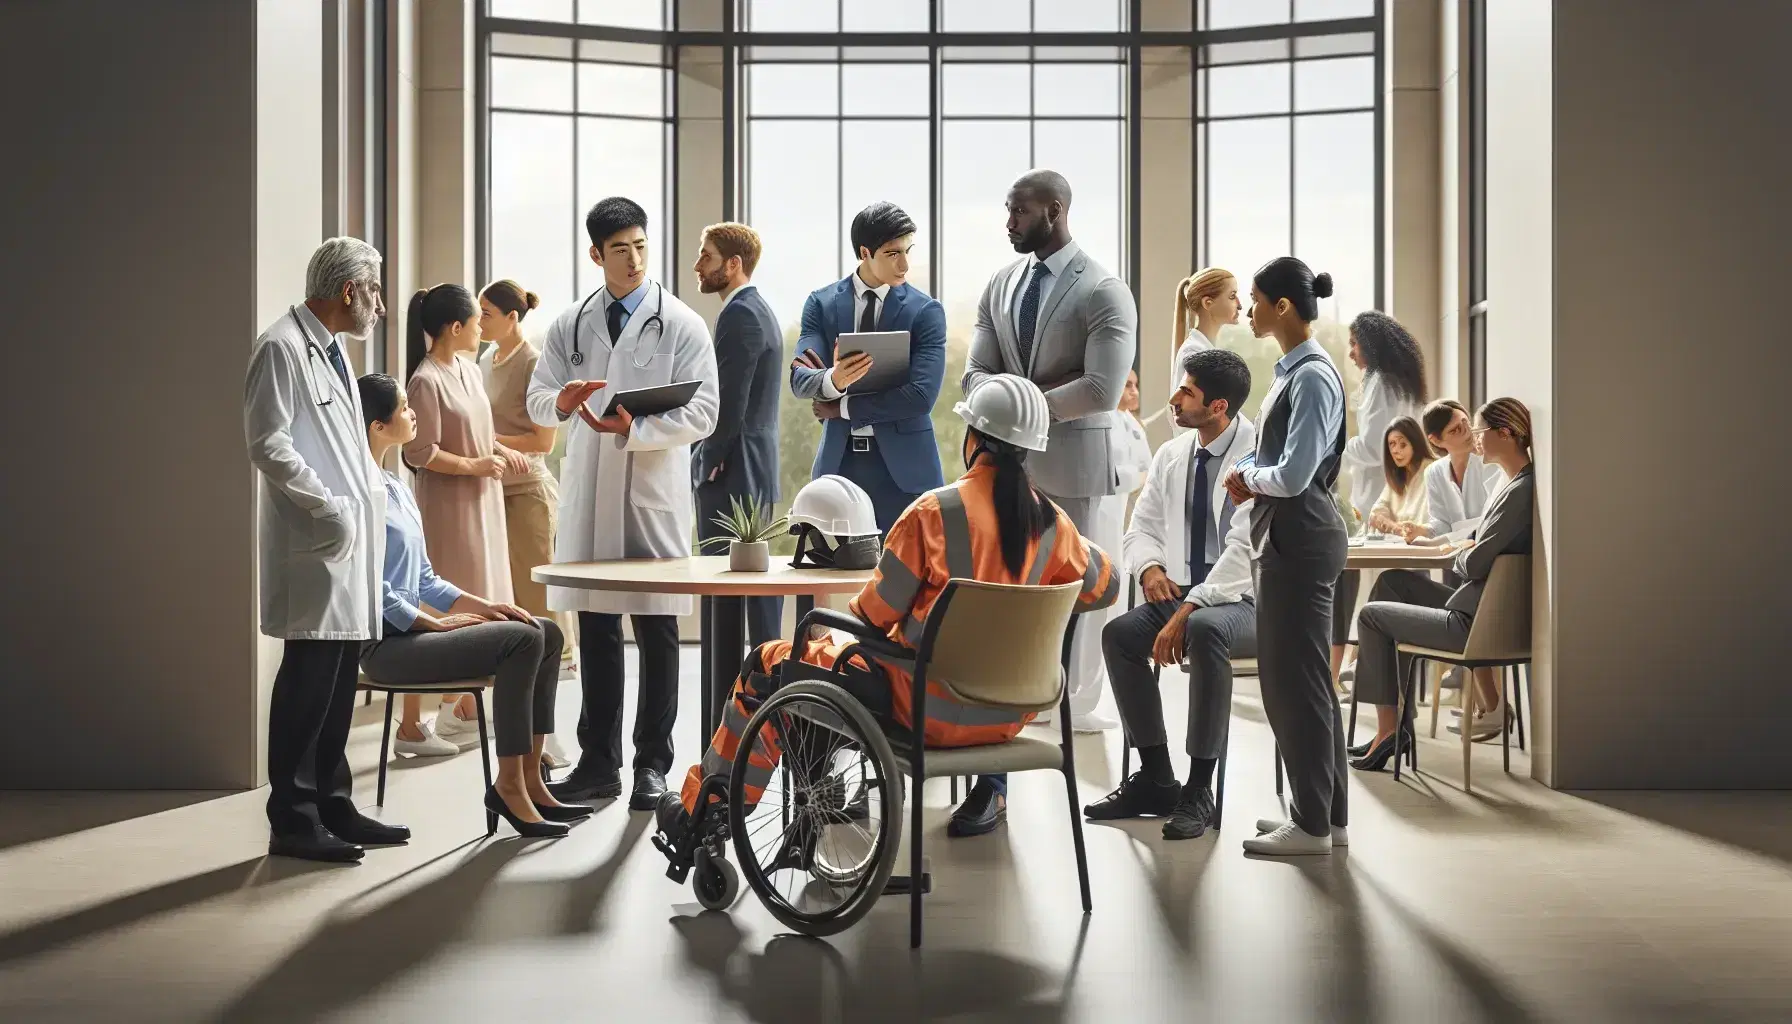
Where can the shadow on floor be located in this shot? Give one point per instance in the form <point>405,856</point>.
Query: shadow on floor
<point>797,980</point>
<point>33,816</point>
<point>1760,822</point>
<point>140,906</point>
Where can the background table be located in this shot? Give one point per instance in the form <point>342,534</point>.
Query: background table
<point>724,609</point>
<point>1397,555</point>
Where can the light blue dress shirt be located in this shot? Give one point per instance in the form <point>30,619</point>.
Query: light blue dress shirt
<point>630,302</point>
<point>410,581</point>
<point>1315,419</point>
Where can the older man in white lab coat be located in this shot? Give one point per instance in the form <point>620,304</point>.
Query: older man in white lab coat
<point>322,535</point>
<point>625,491</point>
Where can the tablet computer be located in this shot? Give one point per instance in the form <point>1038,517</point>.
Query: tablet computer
<point>653,401</point>
<point>889,359</point>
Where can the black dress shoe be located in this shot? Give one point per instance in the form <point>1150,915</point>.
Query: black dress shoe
<point>564,812</point>
<point>319,845</point>
<point>1379,755</point>
<point>368,831</point>
<point>496,808</point>
<point>1137,797</point>
<point>583,785</point>
<point>980,813</point>
<point>1192,817</point>
<point>649,786</point>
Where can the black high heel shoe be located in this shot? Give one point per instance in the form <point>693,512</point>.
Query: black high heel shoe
<point>1379,755</point>
<point>1361,748</point>
<point>496,808</point>
<point>564,812</point>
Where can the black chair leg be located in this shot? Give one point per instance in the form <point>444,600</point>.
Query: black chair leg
<point>1506,674</point>
<point>1076,835</point>
<point>1219,783</point>
<point>955,791</point>
<point>485,761</point>
<point>1278,769</point>
<point>1402,703</point>
<point>1350,733</point>
<point>385,746</point>
<point>1520,690</point>
<point>915,871</point>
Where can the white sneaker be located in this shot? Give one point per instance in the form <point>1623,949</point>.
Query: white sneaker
<point>1093,721</point>
<point>556,757</point>
<point>430,745</point>
<point>1288,841</point>
<point>1487,724</point>
<point>449,726</point>
<point>1340,837</point>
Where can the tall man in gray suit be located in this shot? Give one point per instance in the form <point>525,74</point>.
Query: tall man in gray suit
<point>1067,323</point>
<point>740,459</point>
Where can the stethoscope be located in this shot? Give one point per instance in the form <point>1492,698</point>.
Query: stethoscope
<point>315,353</point>
<point>653,320</point>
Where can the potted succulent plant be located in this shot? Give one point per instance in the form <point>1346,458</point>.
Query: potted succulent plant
<point>748,528</point>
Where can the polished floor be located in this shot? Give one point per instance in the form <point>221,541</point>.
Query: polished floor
<point>1512,904</point>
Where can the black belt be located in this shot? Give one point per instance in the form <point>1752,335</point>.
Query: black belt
<point>860,442</point>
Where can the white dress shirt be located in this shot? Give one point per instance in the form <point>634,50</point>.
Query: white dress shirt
<point>1450,504</point>
<point>1054,270</point>
<point>828,391</point>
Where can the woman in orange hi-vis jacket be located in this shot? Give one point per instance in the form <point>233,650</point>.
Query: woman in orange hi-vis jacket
<point>990,525</point>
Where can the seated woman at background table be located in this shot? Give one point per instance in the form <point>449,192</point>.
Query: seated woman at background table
<point>1411,607</point>
<point>476,637</point>
<point>1403,502</point>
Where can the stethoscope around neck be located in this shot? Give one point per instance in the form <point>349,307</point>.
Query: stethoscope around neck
<point>314,351</point>
<point>653,320</point>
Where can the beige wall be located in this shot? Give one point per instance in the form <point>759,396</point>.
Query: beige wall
<point>1414,151</point>
<point>152,226</point>
<point>1669,373</point>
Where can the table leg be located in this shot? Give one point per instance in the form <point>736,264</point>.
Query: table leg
<point>729,618</point>
<point>705,668</point>
<point>805,603</point>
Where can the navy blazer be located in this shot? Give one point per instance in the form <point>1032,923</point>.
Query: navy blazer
<point>749,353</point>
<point>901,418</point>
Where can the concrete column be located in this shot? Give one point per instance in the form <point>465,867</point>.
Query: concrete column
<point>1167,198</point>
<point>1453,210</point>
<point>445,143</point>
<point>1412,178</point>
<point>165,218</point>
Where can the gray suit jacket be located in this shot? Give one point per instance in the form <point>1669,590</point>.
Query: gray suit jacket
<point>1082,349</point>
<point>1504,530</point>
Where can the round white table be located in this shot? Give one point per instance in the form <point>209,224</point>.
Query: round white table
<point>723,607</point>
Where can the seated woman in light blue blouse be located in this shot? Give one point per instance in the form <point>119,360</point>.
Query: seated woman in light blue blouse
<point>472,639</point>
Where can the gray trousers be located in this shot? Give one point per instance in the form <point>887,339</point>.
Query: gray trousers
<point>1405,607</point>
<point>1211,638</point>
<point>524,662</point>
<point>1294,633</point>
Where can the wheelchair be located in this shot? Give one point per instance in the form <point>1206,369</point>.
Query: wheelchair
<point>819,846</point>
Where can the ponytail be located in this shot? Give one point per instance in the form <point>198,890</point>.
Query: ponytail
<point>1022,513</point>
<point>431,310</point>
<point>1181,320</point>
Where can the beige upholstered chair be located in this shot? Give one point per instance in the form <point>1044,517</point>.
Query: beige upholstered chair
<point>1499,637</point>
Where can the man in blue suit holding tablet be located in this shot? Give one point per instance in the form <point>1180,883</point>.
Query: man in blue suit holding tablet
<point>882,441</point>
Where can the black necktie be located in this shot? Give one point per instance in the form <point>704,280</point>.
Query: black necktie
<point>868,319</point>
<point>341,366</point>
<point>613,317</point>
<point>1198,520</point>
<point>1029,316</point>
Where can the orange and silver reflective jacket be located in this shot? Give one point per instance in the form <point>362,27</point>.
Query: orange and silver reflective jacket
<point>951,533</point>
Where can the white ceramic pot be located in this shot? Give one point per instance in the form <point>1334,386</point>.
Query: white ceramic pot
<point>754,557</point>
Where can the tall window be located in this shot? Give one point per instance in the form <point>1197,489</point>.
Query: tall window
<point>1477,203</point>
<point>571,122</point>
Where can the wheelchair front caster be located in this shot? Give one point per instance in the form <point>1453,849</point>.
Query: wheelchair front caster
<point>715,881</point>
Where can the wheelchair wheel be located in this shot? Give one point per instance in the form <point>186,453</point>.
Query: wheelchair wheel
<point>715,881</point>
<point>820,844</point>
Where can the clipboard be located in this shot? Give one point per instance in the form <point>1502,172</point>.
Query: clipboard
<point>889,359</point>
<point>653,401</point>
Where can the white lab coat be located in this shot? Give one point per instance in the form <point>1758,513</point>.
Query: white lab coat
<point>1131,456</point>
<point>1377,409</point>
<point>1452,508</point>
<point>1159,531</point>
<point>322,517</point>
<point>627,497</point>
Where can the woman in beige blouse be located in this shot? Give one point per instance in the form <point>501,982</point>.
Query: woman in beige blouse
<point>1404,456</point>
<point>531,498</point>
<point>460,466</point>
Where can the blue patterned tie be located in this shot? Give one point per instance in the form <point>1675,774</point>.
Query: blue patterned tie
<point>1029,316</point>
<point>341,366</point>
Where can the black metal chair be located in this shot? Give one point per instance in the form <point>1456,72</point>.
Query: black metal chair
<point>476,687</point>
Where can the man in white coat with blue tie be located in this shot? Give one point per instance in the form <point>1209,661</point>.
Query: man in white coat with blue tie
<point>322,537</point>
<point>625,491</point>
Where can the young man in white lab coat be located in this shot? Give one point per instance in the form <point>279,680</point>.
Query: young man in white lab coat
<point>322,538</point>
<point>625,491</point>
<point>1190,547</point>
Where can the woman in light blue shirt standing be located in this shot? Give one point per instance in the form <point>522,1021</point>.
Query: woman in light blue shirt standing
<point>471,638</point>
<point>1298,543</point>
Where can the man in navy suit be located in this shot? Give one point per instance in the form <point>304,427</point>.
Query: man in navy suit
<point>882,441</point>
<point>739,461</point>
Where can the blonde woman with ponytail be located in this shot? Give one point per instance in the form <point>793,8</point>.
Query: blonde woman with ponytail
<point>1205,302</point>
